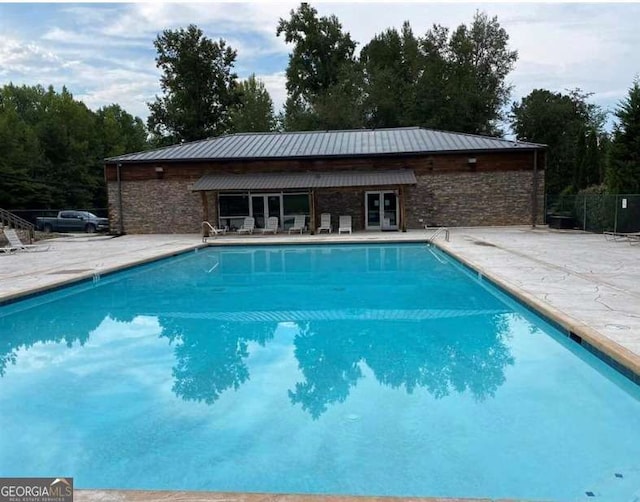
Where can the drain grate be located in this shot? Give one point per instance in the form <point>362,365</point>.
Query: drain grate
<point>482,243</point>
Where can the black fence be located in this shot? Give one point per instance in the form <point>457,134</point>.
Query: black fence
<point>31,214</point>
<point>594,212</point>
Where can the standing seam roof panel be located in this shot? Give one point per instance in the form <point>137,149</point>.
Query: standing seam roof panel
<point>237,150</point>
<point>273,145</point>
<point>251,148</point>
<point>320,143</point>
<point>222,147</point>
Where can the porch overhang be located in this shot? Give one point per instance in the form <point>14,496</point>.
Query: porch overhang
<point>307,179</point>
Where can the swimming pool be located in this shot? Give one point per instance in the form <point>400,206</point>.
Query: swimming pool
<point>381,370</point>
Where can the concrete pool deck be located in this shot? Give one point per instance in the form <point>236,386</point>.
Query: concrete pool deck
<point>589,285</point>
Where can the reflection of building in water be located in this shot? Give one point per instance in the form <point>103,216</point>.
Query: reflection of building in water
<point>308,260</point>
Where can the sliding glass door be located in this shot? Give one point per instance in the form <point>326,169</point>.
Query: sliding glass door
<point>265,205</point>
<point>381,210</point>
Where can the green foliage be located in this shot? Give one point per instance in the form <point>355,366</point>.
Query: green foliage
<point>391,67</point>
<point>476,64</point>
<point>448,81</point>
<point>623,174</point>
<point>454,81</point>
<point>254,113</point>
<point>52,148</point>
<point>120,131</point>
<point>572,129</point>
<point>198,85</point>
<point>323,80</point>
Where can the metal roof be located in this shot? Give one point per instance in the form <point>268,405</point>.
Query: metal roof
<point>357,142</point>
<point>279,181</point>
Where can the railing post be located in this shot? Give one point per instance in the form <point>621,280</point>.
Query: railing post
<point>615,215</point>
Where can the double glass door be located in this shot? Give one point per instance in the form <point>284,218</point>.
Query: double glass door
<point>264,206</point>
<point>381,210</point>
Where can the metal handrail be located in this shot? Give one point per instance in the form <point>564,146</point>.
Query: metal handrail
<point>10,220</point>
<point>439,231</point>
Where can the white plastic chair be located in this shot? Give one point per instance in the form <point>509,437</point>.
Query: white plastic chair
<point>325,223</point>
<point>344,224</point>
<point>271,226</point>
<point>248,225</point>
<point>208,230</point>
<point>16,244</point>
<point>298,223</point>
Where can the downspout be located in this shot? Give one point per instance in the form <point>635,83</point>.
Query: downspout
<point>534,195</point>
<point>120,222</point>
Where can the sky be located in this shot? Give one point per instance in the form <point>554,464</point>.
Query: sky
<point>103,52</point>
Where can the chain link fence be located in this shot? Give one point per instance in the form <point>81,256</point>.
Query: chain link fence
<point>594,212</point>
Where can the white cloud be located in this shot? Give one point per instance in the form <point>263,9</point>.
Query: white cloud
<point>276,85</point>
<point>18,58</point>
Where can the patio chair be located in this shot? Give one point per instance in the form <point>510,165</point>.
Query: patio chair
<point>271,226</point>
<point>16,243</point>
<point>344,224</point>
<point>325,223</point>
<point>298,223</point>
<point>208,230</point>
<point>248,225</point>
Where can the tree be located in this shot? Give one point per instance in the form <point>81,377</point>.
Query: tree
<point>623,174</point>
<point>323,80</point>
<point>567,124</point>
<point>198,84</point>
<point>254,112</point>
<point>391,65</point>
<point>463,86</point>
<point>19,158</point>
<point>446,80</point>
<point>119,131</point>
<point>52,148</point>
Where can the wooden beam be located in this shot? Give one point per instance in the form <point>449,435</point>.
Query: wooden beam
<point>312,210</point>
<point>403,215</point>
<point>205,207</point>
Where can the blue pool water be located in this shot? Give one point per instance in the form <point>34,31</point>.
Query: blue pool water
<point>381,370</point>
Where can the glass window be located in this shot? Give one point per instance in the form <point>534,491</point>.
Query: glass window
<point>293,204</point>
<point>296,203</point>
<point>234,205</point>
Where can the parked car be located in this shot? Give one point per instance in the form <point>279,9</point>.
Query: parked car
<point>73,221</point>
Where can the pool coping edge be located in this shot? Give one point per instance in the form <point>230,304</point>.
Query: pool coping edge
<point>576,330</point>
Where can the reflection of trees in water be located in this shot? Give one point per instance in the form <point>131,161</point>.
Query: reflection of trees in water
<point>440,356</point>
<point>22,330</point>
<point>329,360</point>
<point>210,356</point>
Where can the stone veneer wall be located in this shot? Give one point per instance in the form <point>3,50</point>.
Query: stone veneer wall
<point>156,207</point>
<point>473,199</point>
<point>341,202</point>
<point>439,199</point>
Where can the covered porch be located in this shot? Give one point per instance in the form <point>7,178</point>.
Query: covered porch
<point>375,200</point>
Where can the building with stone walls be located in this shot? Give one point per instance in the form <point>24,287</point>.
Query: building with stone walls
<point>385,179</point>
